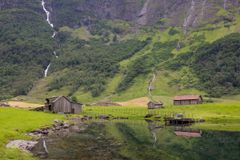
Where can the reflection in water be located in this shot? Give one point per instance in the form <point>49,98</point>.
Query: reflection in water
<point>133,140</point>
<point>153,126</point>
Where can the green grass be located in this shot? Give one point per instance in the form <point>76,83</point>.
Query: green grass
<point>14,125</point>
<point>219,116</point>
<point>138,89</point>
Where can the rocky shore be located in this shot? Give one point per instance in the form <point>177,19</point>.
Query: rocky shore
<point>59,128</point>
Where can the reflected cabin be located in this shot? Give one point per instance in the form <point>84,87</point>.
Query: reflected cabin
<point>62,104</point>
<point>187,100</point>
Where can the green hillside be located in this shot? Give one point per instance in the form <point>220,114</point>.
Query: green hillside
<point>25,50</point>
<point>158,56</point>
<point>107,54</point>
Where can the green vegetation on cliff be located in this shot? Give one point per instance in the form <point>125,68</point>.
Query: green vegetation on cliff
<point>25,50</point>
<point>215,64</point>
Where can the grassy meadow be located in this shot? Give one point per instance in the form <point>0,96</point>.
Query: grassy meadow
<point>223,115</point>
<point>14,125</point>
<point>218,116</point>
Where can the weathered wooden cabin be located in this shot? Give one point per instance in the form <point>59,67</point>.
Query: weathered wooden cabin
<point>187,100</point>
<point>154,105</point>
<point>62,104</point>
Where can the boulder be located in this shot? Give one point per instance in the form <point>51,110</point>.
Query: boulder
<point>58,123</point>
<point>23,145</point>
<point>66,125</point>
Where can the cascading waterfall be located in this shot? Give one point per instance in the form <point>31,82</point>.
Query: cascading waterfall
<point>202,14</point>
<point>143,14</point>
<point>55,54</point>
<point>48,14</point>
<point>203,8</point>
<point>46,70</point>
<point>225,4</point>
<point>150,87</point>
<point>188,19</point>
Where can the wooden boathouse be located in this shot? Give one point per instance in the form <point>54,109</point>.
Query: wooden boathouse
<point>62,104</point>
<point>187,100</point>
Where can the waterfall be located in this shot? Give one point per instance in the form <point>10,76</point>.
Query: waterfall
<point>46,70</point>
<point>48,14</point>
<point>143,13</point>
<point>225,4</point>
<point>202,13</point>
<point>188,19</point>
<point>203,8</point>
<point>54,34</point>
<point>55,54</point>
<point>150,87</point>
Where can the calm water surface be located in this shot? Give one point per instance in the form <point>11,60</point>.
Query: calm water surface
<point>140,140</point>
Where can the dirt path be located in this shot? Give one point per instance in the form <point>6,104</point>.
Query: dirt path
<point>140,102</point>
<point>20,104</point>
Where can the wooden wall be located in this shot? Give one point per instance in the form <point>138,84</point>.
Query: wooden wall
<point>77,108</point>
<point>186,102</point>
<point>62,105</point>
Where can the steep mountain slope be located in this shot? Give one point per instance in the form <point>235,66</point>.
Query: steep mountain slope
<point>112,49</point>
<point>25,47</point>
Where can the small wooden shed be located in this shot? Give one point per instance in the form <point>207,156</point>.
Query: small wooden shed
<point>187,99</point>
<point>154,105</point>
<point>62,104</point>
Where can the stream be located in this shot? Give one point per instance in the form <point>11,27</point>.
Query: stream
<point>48,15</point>
<point>141,140</point>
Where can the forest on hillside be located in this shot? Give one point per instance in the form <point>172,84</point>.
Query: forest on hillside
<point>25,50</point>
<point>217,66</point>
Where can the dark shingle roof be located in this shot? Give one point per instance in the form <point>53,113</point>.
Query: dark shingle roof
<point>187,97</point>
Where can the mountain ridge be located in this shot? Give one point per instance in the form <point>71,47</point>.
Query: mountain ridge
<point>108,50</point>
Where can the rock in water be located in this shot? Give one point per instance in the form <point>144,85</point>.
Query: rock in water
<point>22,145</point>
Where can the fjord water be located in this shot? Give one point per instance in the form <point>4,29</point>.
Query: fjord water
<point>140,140</point>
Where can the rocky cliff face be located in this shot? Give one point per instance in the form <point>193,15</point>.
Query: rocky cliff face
<point>185,13</point>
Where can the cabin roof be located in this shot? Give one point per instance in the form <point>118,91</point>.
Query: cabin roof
<point>155,102</point>
<point>56,98</point>
<point>187,97</point>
